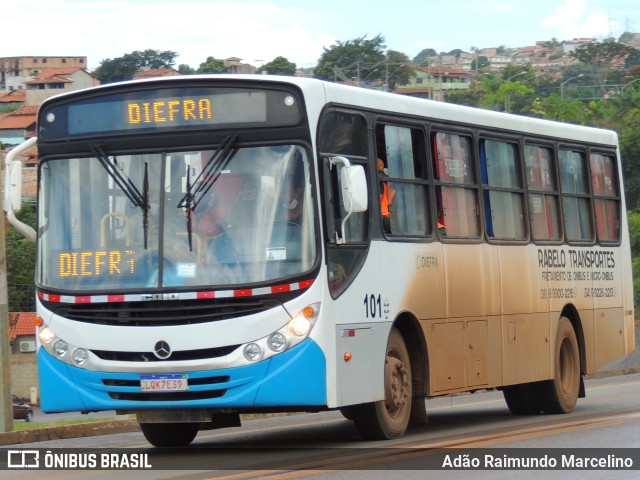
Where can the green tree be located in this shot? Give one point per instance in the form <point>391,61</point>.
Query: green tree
<point>212,65</point>
<point>422,58</point>
<point>354,59</point>
<point>398,69</point>
<point>279,66</point>
<point>123,68</point>
<point>506,96</point>
<point>185,69</point>
<point>601,58</point>
<point>555,107</point>
<point>21,261</point>
<point>634,237</point>
<point>480,63</point>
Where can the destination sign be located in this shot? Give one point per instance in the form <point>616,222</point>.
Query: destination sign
<point>97,263</point>
<point>168,108</point>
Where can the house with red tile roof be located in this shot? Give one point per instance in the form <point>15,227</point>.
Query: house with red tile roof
<point>57,80</point>
<point>22,332</point>
<point>13,97</point>
<point>18,125</point>
<point>14,71</point>
<point>156,72</point>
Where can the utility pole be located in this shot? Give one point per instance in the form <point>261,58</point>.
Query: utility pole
<point>6,408</point>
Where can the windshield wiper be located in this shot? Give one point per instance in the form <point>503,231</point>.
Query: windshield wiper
<point>125,183</point>
<point>145,204</point>
<point>127,186</point>
<point>207,177</point>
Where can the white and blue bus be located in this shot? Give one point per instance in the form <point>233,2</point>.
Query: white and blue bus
<point>216,245</point>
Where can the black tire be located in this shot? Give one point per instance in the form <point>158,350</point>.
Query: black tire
<point>522,399</point>
<point>389,418</point>
<point>347,413</point>
<point>170,434</point>
<point>560,394</point>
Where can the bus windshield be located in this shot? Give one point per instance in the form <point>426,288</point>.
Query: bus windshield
<point>179,219</point>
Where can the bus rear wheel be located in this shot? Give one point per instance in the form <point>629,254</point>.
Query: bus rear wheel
<point>522,399</point>
<point>169,434</point>
<point>389,418</point>
<point>560,394</point>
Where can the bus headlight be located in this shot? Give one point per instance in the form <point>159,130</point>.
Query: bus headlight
<point>80,356</point>
<point>301,324</point>
<point>287,337</point>
<point>277,342</point>
<point>46,335</point>
<point>252,352</point>
<point>61,348</point>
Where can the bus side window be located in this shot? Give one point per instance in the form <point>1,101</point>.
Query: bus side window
<point>403,190</point>
<point>576,199</point>
<point>607,199</point>
<point>456,186</point>
<point>502,190</point>
<point>544,207</point>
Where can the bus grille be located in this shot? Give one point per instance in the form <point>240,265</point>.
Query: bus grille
<point>201,354</point>
<point>165,396</point>
<point>162,313</point>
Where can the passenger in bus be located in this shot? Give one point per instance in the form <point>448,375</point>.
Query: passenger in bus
<point>387,195</point>
<point>210,220</point>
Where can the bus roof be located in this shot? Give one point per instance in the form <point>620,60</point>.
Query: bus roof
<point>393,103</point>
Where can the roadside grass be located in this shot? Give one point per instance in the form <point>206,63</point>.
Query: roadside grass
<point>22,426</point>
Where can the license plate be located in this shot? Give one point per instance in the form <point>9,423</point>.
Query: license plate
<point>164,383</point>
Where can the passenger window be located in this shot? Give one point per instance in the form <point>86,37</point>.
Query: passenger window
<point>503,194</point>
<point>606,197</point>
<point>544,202</point>
<point>576,201</point>
<point>403,190</point>
<point>456,186</point>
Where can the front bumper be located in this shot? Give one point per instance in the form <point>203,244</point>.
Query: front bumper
<point>295,378</point>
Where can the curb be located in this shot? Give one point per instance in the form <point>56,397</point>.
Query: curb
<point>64,432</point>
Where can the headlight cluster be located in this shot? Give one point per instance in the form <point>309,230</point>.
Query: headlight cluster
<point>62,350</point>
<point>294,332</point>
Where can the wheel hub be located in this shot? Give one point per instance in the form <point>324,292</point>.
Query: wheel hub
<point>396,384</point>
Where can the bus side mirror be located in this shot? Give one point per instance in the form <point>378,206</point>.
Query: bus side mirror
<point>354,189</point>
<point>353,183</point>
<point>13,188</point>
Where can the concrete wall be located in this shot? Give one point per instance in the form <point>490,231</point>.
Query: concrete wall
<point>24,376</point>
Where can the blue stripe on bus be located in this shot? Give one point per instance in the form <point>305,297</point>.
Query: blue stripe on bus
<point>293,378</point>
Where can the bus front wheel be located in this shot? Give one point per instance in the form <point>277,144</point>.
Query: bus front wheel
<point>560,394</point>
<point>169,434</point>
<point>389,418</point>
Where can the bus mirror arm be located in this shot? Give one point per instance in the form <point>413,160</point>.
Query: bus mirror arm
<point>13,188</point>
<point>353,182</point>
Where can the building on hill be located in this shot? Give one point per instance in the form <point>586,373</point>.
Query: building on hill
<point>57,80</point>
<point>16,71</point>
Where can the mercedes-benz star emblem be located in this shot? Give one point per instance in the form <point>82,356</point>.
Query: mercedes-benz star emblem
<point>162,350</point>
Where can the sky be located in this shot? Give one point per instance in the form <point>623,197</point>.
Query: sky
<point>258,31</point>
